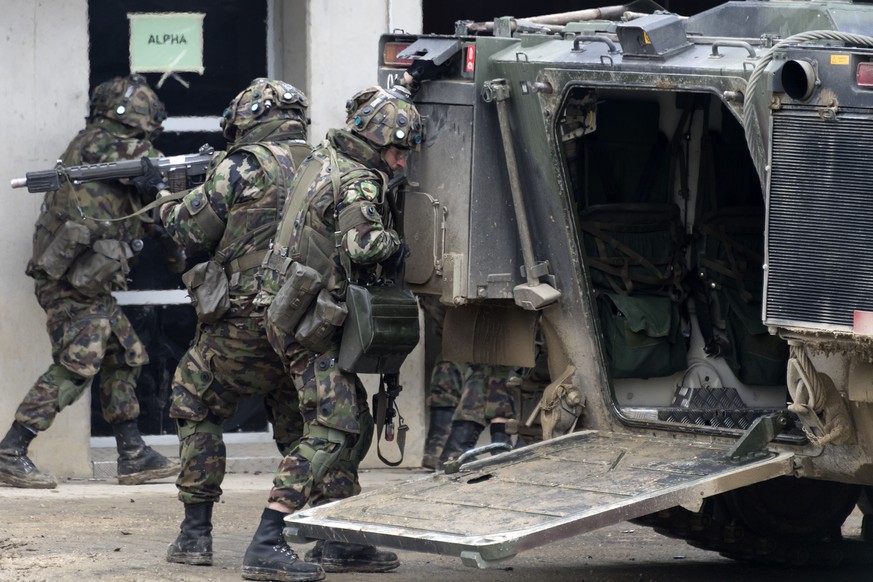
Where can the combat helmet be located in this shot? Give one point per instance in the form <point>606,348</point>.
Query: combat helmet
<point>263,100</point>
<point>385,118</point>
<point>129,101</point>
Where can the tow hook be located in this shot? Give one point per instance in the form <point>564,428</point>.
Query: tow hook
<point>752,446</point>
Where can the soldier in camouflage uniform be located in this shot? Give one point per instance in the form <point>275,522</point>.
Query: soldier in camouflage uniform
<point>232,216</point>
<point>463,399</point>
<point>78,259</point>
<point>484,401</point>
<point>341,225</point>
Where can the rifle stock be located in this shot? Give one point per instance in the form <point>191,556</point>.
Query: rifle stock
<point>180,172</point>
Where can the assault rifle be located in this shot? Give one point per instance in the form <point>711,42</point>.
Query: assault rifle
<point>180,172</point>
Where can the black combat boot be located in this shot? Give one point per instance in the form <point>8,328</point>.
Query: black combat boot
<point>137,462</point>
<point>193,546</point>
<point>268,557</point>
<point>499,435</point>
<point>464,436</point>
<point>16,468</point>
<point>338,557</point>
<point>439,427</point>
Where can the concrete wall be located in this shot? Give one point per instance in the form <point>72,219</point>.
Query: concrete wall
<point>327,47</point>
<point>44,68</point>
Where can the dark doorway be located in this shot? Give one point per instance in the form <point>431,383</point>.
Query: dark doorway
<point>234,53</point>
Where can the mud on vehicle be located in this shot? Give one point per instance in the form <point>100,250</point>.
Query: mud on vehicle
<point>678,210</point>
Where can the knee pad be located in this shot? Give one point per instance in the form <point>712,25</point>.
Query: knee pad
<point>70,385</point>
<point>321,460</point>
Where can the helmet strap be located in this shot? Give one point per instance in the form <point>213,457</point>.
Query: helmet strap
<point>357,148</point>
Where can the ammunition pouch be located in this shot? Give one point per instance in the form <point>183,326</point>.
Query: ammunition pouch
<point>57,244</point>
<point>381,329</point>
<point>208,289</point>
<point>294,297</point>
<point>315,251</point>
<point>101,268</point>
<point>317,329</point>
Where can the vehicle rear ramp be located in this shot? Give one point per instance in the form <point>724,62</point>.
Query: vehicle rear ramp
<point>499,506</point>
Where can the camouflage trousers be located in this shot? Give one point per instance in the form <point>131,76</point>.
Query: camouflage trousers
<point>88,335</point>
<point>229,361</point>
<point>338,429</point>
<point>476,392</point>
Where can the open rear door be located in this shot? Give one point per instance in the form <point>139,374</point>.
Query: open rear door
<point>494,508</point>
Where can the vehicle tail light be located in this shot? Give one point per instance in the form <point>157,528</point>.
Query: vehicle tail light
<point>469,58</point>
<point>864,75</point>
<point>390,52</point>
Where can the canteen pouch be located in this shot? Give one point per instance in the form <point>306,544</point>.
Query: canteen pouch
<point>56,246</point>
<point>381,329</point>
<point>294,297</point>
<point>316,330</point>
<point>208,289</point>
<point>101,268</point>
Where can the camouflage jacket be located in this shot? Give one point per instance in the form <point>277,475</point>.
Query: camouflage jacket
<point>232,216</point>
<point>353,225</point>
<point>101,141</point>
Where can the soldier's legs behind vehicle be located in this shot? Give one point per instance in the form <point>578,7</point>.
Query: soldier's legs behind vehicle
<point>484,401</point>
<point>445,391</point>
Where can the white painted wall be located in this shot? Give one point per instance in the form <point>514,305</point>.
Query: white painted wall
<point>328,47</point>
<point>44,89</point>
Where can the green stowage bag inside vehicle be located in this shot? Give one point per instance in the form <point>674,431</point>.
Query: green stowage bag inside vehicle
<point>642,335</point>
<point>755,356</point>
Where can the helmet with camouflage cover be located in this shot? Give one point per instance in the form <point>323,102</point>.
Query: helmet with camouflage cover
<point>263,100</point>
<point>129,101</point>
<point>385,118</point>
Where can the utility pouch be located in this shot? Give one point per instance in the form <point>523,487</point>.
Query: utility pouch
<point>380,331</point>
<point>294,297</point>
<point>56,246</point>
<point>208,289</point>
<point>316,330</point>
<point>101,268</point>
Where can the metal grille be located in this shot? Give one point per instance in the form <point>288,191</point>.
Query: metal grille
<point>820,221</point>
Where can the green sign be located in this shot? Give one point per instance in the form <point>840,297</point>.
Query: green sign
<point>170,42</point>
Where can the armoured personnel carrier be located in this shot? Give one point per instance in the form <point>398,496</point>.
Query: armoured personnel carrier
<point>677,211</point>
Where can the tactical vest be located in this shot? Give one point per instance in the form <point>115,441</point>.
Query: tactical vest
<point>70,220</point>
<point>248,228</point>
<point>302,235</point>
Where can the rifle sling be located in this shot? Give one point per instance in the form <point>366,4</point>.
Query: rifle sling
<point>380,415</point>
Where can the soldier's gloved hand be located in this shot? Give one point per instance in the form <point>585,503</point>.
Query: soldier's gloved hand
<point>173,254</point>
<point>394,267</point>
<point>151,182</point>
